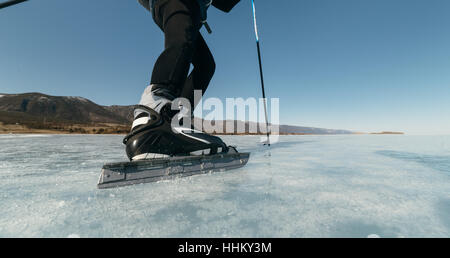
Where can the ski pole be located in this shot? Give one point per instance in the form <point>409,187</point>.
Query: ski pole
<point>9,3</point>
<point>261,73</point>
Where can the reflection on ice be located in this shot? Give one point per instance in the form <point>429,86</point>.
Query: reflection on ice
<point>303,186</point>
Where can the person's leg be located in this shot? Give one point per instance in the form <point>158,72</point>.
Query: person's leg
<point>152,131</point>
<point>180,22</point>
<point>201,75</point>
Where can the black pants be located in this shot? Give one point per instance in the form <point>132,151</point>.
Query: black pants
<point>184,45</point>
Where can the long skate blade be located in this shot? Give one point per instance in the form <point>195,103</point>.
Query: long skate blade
<point>153,170</point>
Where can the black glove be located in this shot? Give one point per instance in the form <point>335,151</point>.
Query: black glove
<point>225,5</point>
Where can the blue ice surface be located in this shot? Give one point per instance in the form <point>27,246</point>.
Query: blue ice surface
<point>303,186</point>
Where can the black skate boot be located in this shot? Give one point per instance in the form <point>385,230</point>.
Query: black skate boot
<point>152,136</point>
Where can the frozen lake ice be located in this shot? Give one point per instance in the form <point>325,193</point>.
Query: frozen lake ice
<point>304,186</point>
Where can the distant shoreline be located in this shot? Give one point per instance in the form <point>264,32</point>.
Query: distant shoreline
<point>56,132</point>
<point>389,133</point>
<point>41,132</point>
<point>116,129</point>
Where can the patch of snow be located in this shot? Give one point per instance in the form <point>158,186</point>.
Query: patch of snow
<point>43,99</point>
<point>61,204</point>
<point>79,98</point>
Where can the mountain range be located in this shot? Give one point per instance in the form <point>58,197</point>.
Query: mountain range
<point>80,115</point>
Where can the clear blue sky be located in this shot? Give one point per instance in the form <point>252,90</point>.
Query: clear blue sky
<point>348,64</point>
